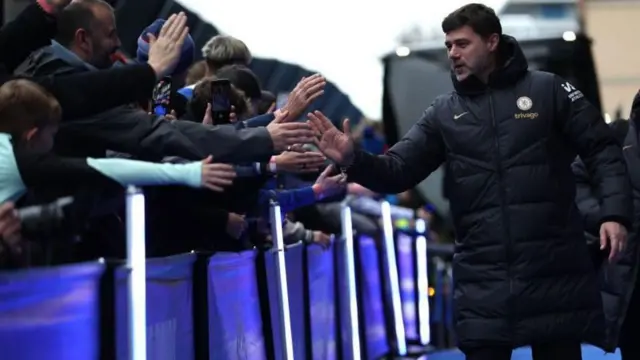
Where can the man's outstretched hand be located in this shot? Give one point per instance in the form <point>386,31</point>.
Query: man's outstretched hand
<point>164,50</point>
<point>284,134</point>
<point>336,145</point>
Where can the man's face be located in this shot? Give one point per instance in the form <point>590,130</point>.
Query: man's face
<point>103,38</point>
<point>469,53</point>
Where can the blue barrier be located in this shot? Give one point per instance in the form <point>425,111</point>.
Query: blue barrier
<point>244,301</point>
<point>323,319</point>
<point>235,321</point>
<point>294,257</point>
<point>169,308</point>
<point>371,294</point>
<point>342,302</point>
<point>51,313</point>
<point>408,290</point>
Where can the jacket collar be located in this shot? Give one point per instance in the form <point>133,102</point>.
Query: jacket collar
<point>69,56</point>
<point>513,66</point>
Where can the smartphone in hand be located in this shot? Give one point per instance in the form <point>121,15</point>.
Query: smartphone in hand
<point>161,97</point>
<point>221,101</point>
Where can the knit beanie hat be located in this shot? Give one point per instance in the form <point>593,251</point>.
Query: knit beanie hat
<point>187,55</point>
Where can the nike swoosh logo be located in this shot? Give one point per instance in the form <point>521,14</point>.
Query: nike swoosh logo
<point>458,116</point>
<point>627,147</point>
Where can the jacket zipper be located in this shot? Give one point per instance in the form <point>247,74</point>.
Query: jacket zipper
<point>503,209</point>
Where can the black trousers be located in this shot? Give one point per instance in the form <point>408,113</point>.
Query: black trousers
<point>552,351</point>
<point>628,342</point>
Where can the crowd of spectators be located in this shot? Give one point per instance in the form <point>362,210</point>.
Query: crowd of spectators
<point>79,119</point>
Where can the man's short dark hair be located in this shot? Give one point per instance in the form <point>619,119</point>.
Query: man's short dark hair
<point>481,18</point>
<point>77,15</point>
<point>266,101</point>
<point>242,78</point>
<point>202,96</point>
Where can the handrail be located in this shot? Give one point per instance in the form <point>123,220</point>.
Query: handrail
<point>369,206</point>
<point>137,277</point>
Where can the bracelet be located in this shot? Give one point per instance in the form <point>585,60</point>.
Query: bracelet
<point>46,7</point>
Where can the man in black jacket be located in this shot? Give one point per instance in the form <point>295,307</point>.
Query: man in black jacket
<point>89,35</point>
<point>523,274</point>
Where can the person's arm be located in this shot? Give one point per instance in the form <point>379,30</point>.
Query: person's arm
<point>228,144</point>
<point>292,232</point>
<point>586,199</point>
<point>594,141</point>
<point>258,121</point>
<point>46,170</point>
<point>290,200</point>
<point>135,132</point>
<point>32,29</point>
<point>420,152</point>
<point>91,92</point>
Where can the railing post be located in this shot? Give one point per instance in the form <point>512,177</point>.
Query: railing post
<point>422,271</point>
<point>349,258</point>
<point>281,278</point>
<point>392,274</point>
<point>136,279</point>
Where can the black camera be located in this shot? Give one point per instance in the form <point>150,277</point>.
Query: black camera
<point>47,219</point>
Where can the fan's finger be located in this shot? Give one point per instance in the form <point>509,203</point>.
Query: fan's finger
<point>346,127</point>
<point>167,25</point>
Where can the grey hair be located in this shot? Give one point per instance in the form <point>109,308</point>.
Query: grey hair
<point>223,50</point>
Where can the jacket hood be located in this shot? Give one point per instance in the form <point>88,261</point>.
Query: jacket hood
<point>512,66</point>
<point>54,60</point>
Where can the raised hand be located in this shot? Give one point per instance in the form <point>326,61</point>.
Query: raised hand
<point>305,92</point>
<point>216,176</point>
<point>336,145</point>
<point>164,50</point>
<point>299,162</point>
<point>326,185</point>
<point>284,134</point>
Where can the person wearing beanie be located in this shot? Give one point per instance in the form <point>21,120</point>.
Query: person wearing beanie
<point>187,56</point>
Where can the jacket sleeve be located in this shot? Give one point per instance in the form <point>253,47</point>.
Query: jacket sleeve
<point>420,152</point>
<point>228,144</point>
<point>595,143</point>
<point>292,232</point>
<point>258,121</point>
<point>31,30</point>
<point>135,132</point>
<point>43,170</point>
<point>586,198</point>
<point>91,92</point>
<point>289,200</point>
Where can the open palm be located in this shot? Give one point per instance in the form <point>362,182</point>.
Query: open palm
<point>335,144</point>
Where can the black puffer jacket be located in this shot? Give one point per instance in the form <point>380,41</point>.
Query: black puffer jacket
<point>522,270</point>
<point>620,277</point>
